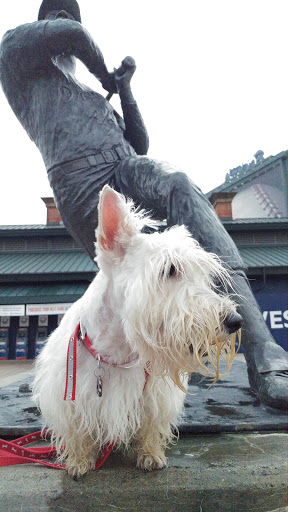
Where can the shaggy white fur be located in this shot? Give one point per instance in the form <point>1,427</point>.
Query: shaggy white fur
<point>155,298</point>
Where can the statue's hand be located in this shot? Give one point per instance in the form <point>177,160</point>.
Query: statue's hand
<point>124,73</point>
<point>109,83</point>
<point>120,77</point>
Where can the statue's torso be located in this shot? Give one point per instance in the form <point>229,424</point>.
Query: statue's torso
<point>68,122</point>
<point>65,121</point>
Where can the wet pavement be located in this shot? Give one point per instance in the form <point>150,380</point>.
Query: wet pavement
<point>231,456</point>
<point>220,473</point>
<point>228,406</point>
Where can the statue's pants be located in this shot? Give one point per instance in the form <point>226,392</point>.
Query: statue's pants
<point>170,195</point>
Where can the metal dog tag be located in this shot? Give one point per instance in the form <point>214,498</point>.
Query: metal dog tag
<point>99,373</point>
<point>99,386</point>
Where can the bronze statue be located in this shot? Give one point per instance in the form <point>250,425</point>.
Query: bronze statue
<point>86,144</point>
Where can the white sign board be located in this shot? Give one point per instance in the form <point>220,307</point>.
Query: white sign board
<point>47,309</point>
<point>12,310</point>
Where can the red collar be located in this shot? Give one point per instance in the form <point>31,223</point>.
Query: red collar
<point>71,366</point>
<point>82,336</point>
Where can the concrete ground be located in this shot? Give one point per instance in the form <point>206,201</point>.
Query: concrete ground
<point>226,471</point>
<point>222,473</point>
<point>14,371</point>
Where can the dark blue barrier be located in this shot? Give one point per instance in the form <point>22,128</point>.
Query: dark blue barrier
<point>272,297</point>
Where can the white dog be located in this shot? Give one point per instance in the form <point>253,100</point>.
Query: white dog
<point>153,314</point>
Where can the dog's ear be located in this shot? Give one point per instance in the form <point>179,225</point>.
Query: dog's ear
<point>111,220</point>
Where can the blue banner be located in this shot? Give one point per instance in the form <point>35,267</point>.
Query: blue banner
<point>272,298</point>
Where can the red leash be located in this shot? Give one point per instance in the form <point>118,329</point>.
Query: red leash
<point>13,452</point>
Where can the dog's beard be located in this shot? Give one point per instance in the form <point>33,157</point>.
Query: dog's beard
<point>205,359</point>
<point>220,348</point>
<point>184,345</point>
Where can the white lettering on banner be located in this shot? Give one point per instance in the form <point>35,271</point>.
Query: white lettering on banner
<point>277,319</point>
<point>47,309</point>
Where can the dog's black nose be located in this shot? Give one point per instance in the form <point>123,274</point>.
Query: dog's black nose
<point>233,322</point>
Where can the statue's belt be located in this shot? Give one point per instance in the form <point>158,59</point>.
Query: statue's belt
<point>107,156</point>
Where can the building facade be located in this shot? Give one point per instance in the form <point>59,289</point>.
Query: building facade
<point>253,206</point>
<point>43,271</point>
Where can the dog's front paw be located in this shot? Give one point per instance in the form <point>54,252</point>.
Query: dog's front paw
<point>149,462</point>
<point>75,474</point>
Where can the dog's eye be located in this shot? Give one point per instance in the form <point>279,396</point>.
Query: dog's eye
<point>219,285</point>
<point>216,282</point>
<point>168,272</point>
<point>172,271</point>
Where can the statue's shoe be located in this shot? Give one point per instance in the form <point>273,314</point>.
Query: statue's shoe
<point>272,389</point>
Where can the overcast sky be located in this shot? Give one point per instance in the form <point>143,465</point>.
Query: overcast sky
<point>211,83</point>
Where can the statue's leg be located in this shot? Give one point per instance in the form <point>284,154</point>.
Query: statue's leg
<point>174,197</point>
<point>76,195</point>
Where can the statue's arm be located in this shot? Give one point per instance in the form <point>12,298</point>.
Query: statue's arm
<point>71,38</point>
<point>29,49</point>
<point>135,131</point>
